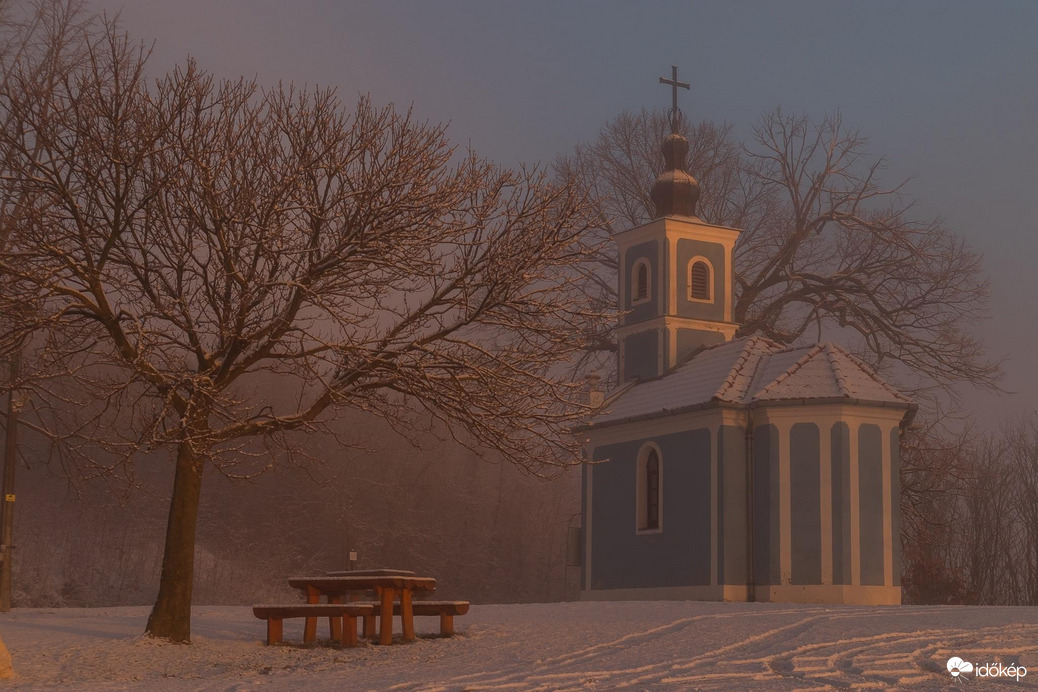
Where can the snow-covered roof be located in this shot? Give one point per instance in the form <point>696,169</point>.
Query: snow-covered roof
<point>826,371</point>
<point>749,370</point>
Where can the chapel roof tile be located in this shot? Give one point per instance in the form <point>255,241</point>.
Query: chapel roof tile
<point>752,370</point>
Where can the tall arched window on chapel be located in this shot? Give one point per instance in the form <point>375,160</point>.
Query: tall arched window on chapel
<point>640,282</point>
<point>700,280</point>
<point>649,487</point>
<point>652,491</point>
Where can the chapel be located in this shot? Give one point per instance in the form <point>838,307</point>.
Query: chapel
<point>729,467</point>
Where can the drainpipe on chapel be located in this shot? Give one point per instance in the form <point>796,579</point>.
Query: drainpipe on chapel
<point>750,586</point>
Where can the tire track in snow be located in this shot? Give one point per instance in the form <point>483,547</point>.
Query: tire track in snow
<point>867,664</point>
<point>549,673</point>
<point>518,674</point>
<point>672,671</point>
<point>765,660</point>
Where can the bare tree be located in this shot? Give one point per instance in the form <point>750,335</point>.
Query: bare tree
<point>1023,452</point>
<point>215,269</point>
<point>825,245</point>
<point>989,534</point>
<point>1000,520</point>
<point>44,47</point>
<point>969,516</point>
<point>935,469</point>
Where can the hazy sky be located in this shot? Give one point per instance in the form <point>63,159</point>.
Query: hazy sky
<point>948,91</point>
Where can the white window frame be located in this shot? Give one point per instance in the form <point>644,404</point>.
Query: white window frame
<point>709,284</point>
<point>641,262</point>
<point>641,480</point>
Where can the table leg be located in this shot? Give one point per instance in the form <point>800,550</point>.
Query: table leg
<point>310,627</point>
<point>335,623</point>
<point>385,625</point>
<point>349,630</point>
<point>406,615</point>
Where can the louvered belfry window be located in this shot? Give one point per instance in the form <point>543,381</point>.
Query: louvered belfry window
<point>641,291</point>
<point>699,281</point>
<point>652,491</point>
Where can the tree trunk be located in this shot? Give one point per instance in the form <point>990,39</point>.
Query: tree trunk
<point>171,616</point>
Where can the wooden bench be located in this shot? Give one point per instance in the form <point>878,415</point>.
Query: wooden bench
<point>349,612</point>
<point>445,609</point>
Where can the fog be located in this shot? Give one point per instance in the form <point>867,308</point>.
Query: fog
<point>946,91</point>
<point>490,533</point>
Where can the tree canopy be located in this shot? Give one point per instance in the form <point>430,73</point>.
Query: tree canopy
<point>214,268</point>
<point>826,245</point>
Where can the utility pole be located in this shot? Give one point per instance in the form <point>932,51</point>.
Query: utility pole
<point>7,516</point>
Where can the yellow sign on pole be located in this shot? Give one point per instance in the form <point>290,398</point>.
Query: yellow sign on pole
<point>9,497</point>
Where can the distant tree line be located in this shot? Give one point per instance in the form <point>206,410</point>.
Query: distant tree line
<point>970,516</point>
<point>488,532</point>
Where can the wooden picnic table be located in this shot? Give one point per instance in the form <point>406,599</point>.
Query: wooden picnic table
<point>379,572</point>
<point>389,589</point>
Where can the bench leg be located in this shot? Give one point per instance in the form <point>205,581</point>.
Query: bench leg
<point>310,627</point>
<point>349,630</point>
<point>385,625</point>
<point>274,630</point>
<point>369,620</point>
<point>446,625</point>
<point>406,615</point>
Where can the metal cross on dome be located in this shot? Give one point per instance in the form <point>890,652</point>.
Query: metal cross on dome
<point>675,112</point>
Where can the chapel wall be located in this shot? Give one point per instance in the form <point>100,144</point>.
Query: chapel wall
<point>678,554</point>
<point>650,252</point>
<point>714,253</point>
<point>733,525</point>
<point>826,513</point>
<point>805,463</point>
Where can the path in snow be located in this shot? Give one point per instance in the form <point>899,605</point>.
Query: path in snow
<point>645,645</point>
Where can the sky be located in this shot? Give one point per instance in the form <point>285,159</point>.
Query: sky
<point>946,91</point>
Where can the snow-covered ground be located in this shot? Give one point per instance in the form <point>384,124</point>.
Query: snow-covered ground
<point>641,645</point>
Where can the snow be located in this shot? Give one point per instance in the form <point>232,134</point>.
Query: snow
<point>604,645</point>
<point>752,369</point>
<point>827,371</point>
<point>711,371</point>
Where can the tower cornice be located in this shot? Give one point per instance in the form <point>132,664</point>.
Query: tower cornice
<point>679,227</point>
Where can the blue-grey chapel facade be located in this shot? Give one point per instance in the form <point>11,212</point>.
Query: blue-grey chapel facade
<point>732,468</point>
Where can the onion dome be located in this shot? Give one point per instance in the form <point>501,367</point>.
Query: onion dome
<point>675,192</point>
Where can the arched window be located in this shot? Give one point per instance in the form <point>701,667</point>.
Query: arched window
<point>700,280</point>
<point>649,488</point>
<point>640,282</point>
<point>652,491</point>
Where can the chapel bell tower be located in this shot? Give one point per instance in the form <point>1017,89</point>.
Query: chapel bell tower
<point>675,272</point>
